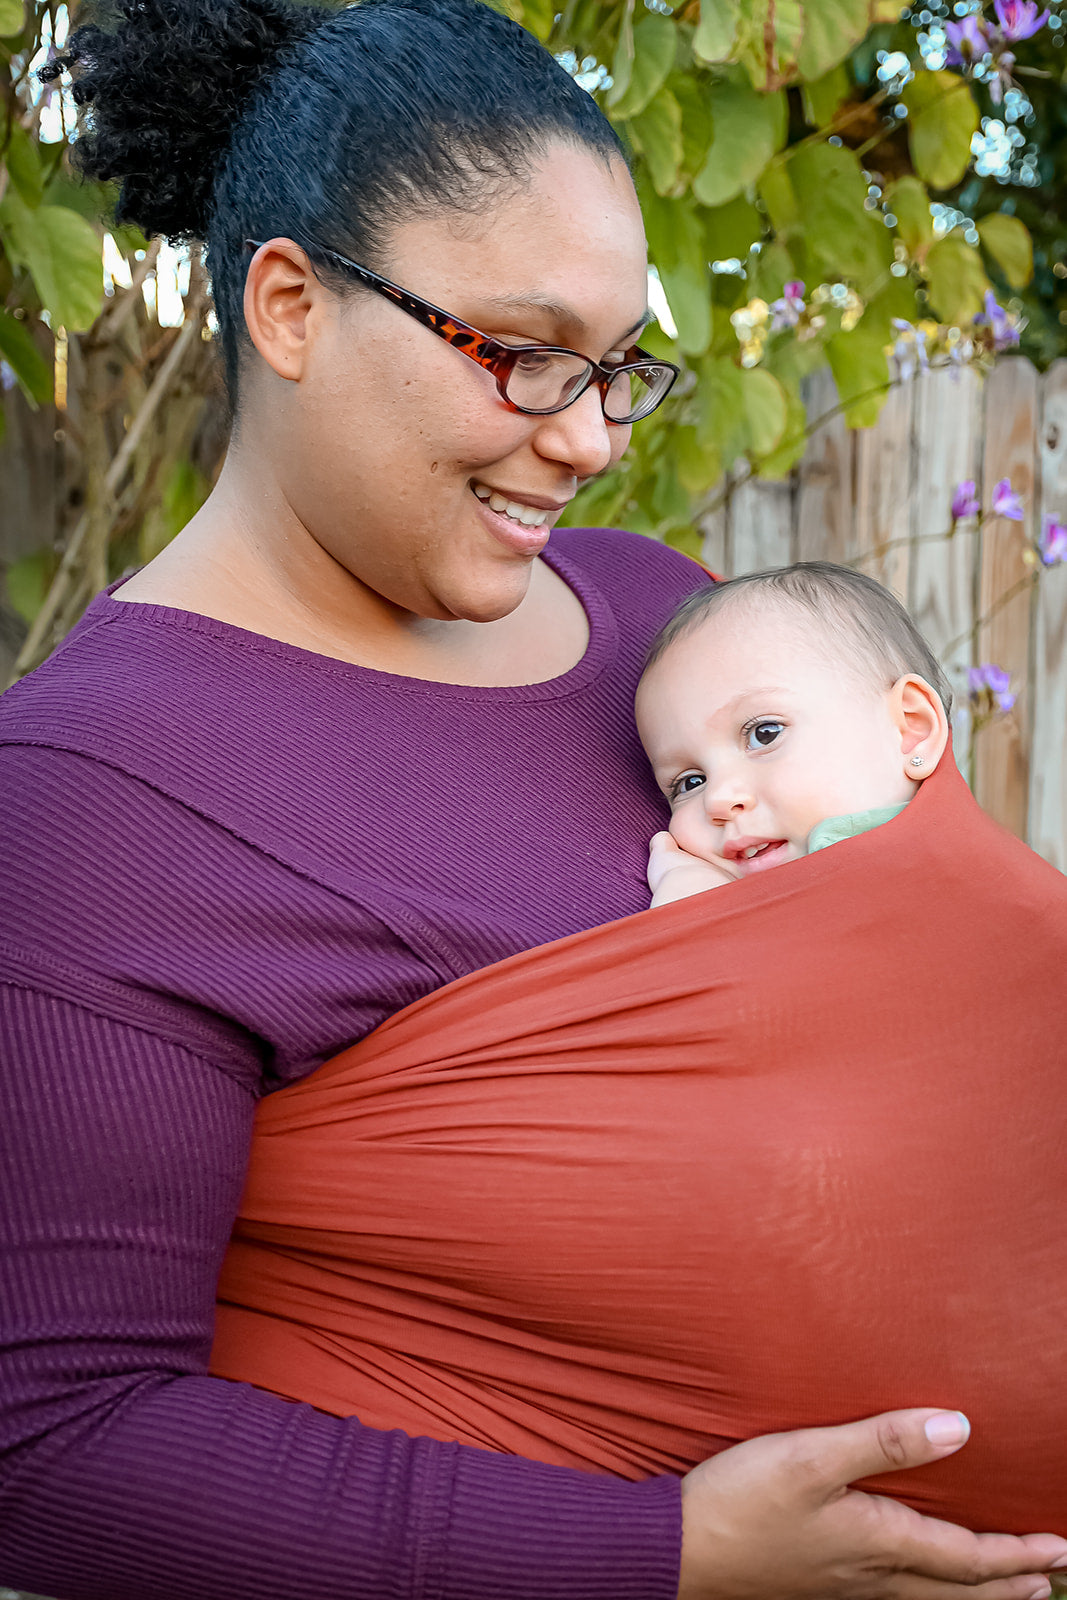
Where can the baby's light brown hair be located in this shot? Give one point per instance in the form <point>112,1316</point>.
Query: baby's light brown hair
<point>851,607</point>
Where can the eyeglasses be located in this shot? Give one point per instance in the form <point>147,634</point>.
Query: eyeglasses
<point>536,379</point>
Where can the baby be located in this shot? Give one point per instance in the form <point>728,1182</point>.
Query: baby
<point>782,712</point>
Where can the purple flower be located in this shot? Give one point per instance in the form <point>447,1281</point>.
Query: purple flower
<point>1052,545</point>
<point>909,351</point>
<point>786,312</point>
<point>1001,80</point>
<point>965,503</point>
<point>1019,19</point>
<point>989,689</point>
<point>1006,502</point>
<point>1000,323</point>
<point>968,42</point>
<point>8,379</point>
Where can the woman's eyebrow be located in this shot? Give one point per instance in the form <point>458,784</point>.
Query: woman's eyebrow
<point>565,315</point>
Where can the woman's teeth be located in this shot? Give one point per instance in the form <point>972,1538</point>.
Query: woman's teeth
<point>529,516</point>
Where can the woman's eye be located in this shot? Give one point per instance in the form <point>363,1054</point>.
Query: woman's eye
<point>686,784</point>
<point>762,734</point>
<point>532,361</point>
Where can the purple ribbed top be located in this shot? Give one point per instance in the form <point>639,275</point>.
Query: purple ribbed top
<point>227,858</point>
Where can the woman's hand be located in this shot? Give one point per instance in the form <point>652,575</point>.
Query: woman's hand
<point>673,874</point>
<point>774,1519</point>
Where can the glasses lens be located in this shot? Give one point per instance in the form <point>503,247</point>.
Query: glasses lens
<point>546,380</point>
<point>637,391</point>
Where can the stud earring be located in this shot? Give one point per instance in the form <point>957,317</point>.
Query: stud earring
<point>918,761</point>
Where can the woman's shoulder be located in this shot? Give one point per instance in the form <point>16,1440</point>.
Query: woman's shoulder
<point>629,563</point>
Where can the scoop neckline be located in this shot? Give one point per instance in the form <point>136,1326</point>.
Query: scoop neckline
<point>600,652</point>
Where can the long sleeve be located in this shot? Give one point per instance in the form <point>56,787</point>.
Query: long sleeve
<point>207,888</point>
<point>130,1475</point>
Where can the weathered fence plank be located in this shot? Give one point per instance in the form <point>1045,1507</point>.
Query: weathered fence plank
<point>825,518</point>
<point>884,468</point>
<point>1002,749</point>
<point>761,525</point>
<point>1047,827</point>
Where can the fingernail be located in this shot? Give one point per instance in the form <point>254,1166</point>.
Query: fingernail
<point>950,1427</point>
<point>1056,1565</point>
<point>1040,1591</point>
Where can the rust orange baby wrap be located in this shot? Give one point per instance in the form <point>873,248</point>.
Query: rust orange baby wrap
<point>787,1153</point>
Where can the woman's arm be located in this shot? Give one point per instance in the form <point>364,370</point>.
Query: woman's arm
<point>127,1472</point>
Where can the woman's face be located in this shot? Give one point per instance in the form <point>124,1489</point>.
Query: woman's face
<point>389,438</point>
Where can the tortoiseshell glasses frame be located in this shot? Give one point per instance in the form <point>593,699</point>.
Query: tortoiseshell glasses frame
<point>633,389</point>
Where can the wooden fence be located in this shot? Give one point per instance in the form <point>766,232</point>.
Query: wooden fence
<point>884,494</point>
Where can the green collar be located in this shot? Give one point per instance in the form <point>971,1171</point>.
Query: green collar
<point>834,829</point>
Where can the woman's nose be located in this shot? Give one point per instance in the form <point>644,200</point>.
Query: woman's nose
<point>581,436</point>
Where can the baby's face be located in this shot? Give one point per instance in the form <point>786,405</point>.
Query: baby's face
<point>758,728</point>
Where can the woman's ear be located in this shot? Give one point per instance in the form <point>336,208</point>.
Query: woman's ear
<point>281,292</point>
<point>922,724</point>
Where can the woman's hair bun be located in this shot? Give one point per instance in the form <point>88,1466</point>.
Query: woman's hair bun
<point>164,89</point>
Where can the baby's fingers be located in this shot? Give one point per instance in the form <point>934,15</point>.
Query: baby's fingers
<point>662,852</point>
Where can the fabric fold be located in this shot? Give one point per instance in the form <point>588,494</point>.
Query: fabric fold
<point>784,1154</point>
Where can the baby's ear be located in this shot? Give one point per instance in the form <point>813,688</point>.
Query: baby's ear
<point>921,723</point>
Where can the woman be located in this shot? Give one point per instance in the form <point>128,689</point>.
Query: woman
<point>327,752</point>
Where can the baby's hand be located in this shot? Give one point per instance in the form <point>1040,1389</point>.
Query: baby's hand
<point>673,874</point>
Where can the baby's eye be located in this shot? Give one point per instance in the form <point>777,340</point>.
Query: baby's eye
<point>763,733</point>
<point>686,784</point>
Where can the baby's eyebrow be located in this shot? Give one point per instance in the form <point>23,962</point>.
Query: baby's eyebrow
<point>754,694</point>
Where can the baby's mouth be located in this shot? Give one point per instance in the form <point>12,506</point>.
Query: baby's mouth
<point>757,857</point>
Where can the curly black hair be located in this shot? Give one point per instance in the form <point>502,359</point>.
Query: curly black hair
<point>229,120</point>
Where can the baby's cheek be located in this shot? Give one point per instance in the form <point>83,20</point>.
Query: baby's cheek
<point>692,832</point>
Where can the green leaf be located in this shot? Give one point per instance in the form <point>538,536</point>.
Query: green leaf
<point>676,242</point>
<point>909,202</point>
<point>24,165</point>
<point>1009,243</point>
<point>896,299</point>
<point>955,279</point>
<point>62,253</point>
<point>655,40</point>
<point>721,419</point>
<point>860,367</point>
<point>749,128</point>
<point>731,230</point>
<point>689,297</point>
<point>538,17</point>
<point>775,268</point>
<point>657,133</point>
<point>697,463</point>
<point>822,98</point>
<point>777,193</point>
<point>716,30</point>
<point>768,40</point>
<point>698,128</point>
<point>622,64</point>
<point>12,17</point>
<point>598,505</point>
<point>19,350</point>
<point>670,501</point>
<point>780,462</point>
<point>688,539</point>
<point>842,239</point>
<point>831,28</point>
<point>765,409</point>
<point>27,582</point>
<point>942,119</point>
